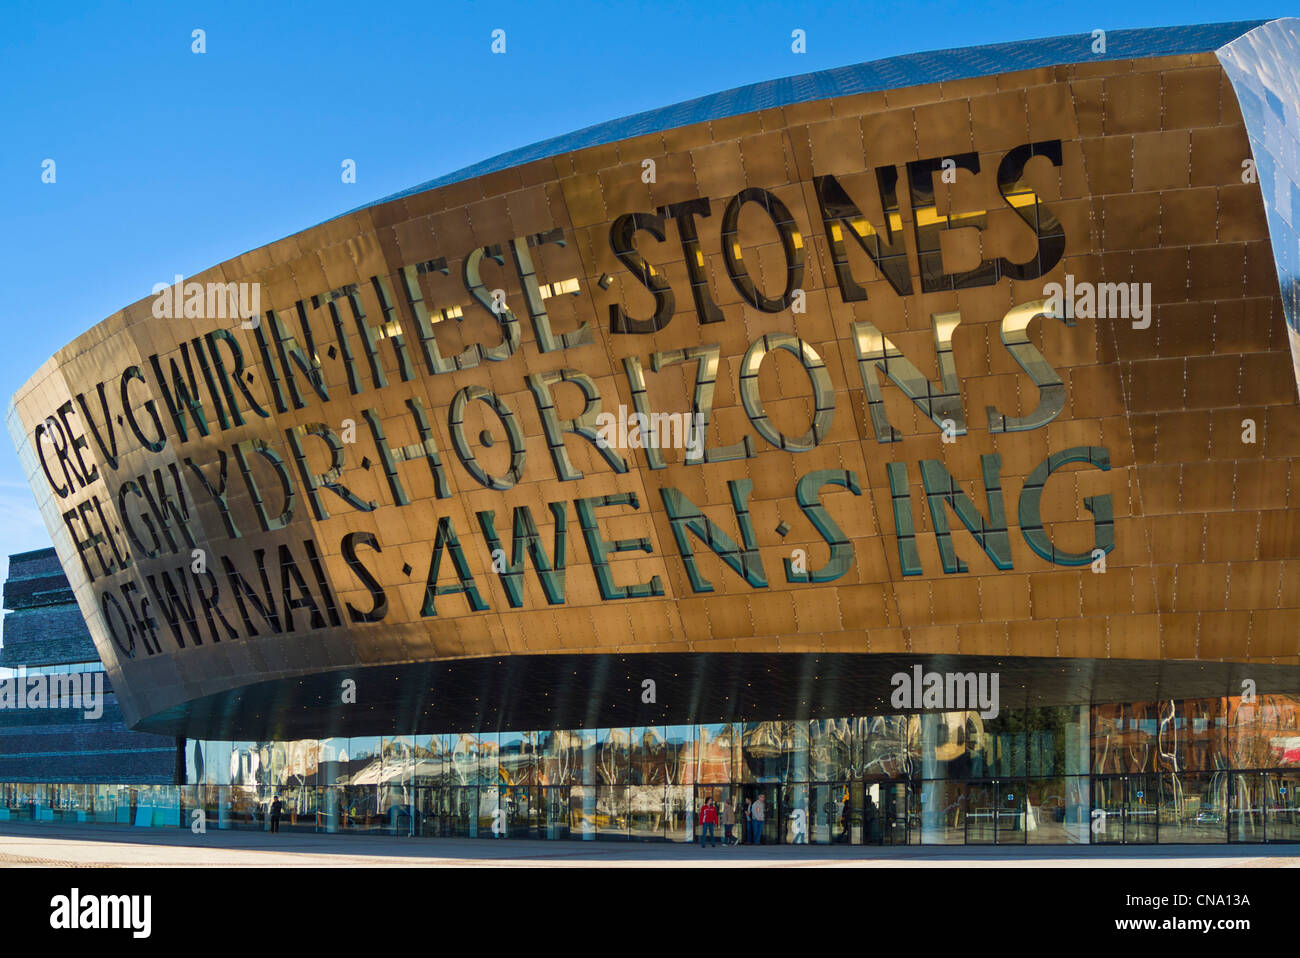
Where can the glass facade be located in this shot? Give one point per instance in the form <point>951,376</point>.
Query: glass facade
<point>1202,770</point>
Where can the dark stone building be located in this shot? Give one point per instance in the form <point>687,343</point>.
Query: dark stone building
<point>44,633</point>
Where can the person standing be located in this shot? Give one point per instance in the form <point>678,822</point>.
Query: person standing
<point>758,813</point>
<point>277,807</point>
<point>749,819</point>
<point>709,821</point>
<point>728,822</point>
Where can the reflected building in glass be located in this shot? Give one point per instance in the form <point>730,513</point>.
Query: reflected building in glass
<point>909,445</point>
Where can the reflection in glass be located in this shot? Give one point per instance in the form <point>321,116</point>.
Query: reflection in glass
<point>1246,807</point>
<point>612,756</point>
<point>612,811</point>
<point>1282,806</point>
<point>649,763</point>
<point>943,813</point>
<point>1201,770</point>
<point>1193,806</point>
<point>982,813</point>
<point>1141,818</point>
<point>712,754</point>
<point>1046,805</point>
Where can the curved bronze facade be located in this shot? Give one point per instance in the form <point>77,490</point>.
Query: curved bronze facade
<point>996,367</point>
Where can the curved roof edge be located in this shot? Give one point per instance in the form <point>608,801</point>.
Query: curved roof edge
<point>911,69</point>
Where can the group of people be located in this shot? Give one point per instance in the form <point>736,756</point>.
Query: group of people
<point>714,813</point>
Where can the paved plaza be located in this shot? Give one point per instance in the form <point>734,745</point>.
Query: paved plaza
<point>100,846</point>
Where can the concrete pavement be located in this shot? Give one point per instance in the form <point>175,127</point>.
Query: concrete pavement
<point>109,846</point>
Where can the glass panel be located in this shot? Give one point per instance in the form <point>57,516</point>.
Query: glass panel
<point>648,756</point>
<point>303,763</point>
<point>1282,800</point>
<point>435,816</point>
<point>943,813</point>
<point>517,758</point>
<point>490,817</point>
<point>361,808</point>
<point>901,813</point>
<point>1140,736</point>
<point>584,742</point>
<point>731,805</point>
<point>853,793</point>
<point>1205,738</point>
<point>1246,807</point>
<point>890,746</point>
<point>1012,814</point>
<point>398,755</point>
<point>765,831</point>
<point>982,813</point>
<point>363,764</point>
<point>561,760</point>
<point>464,759</point>
<point>1046,740</point>
<point>1141,811</point>
<point>830,750</point>
<point>1193,807</point>
<point>430,765</point>
<point>157,806</point>
<point>201,798</point>
<point>680,752</point>
<point>646,808</point>
<point>299,812</point>
<point>524,817</point>
<point>1108,756</point>
<point>331,767</point>
<point>1107,825</point>
<point>713,754</point>
<point>775,752</point>
<point>794,747</point>
<point>243,809</point>
<point>876,822</point>
<point>557,812</point>
<point>1046,808</point>
<point>582,812</point>
<point>827,802</point>
<point>1265,733</point>
<point>396,811</point>
<point>612,811</point>
<point>613,756</point>
<point>998,746</point>
<point>681,813</point>
<point>464,811</point>
<point>488,766</point>
<point>795,814</point>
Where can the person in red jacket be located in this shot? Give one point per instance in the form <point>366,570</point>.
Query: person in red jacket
<point>709,821</point>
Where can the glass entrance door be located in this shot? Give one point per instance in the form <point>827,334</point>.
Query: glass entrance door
<point>519,805</point>
<point>769,832</point>
<point>900,824</point>
<point>1246,807</point>
<point>556,798</point>
<point>872,812</point>
<point>1125,809</point>
<point>1107,821</point>
<point>832,807</point>
<point>1142,810</point>
<point>981,813</point>
<point>1282,803</point>
<point>1012,816</point>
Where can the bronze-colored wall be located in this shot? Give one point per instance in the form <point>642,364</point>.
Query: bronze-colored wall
<point>1206,551</point>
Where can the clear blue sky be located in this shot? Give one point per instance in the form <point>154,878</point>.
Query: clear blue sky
<point>170,162</point>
